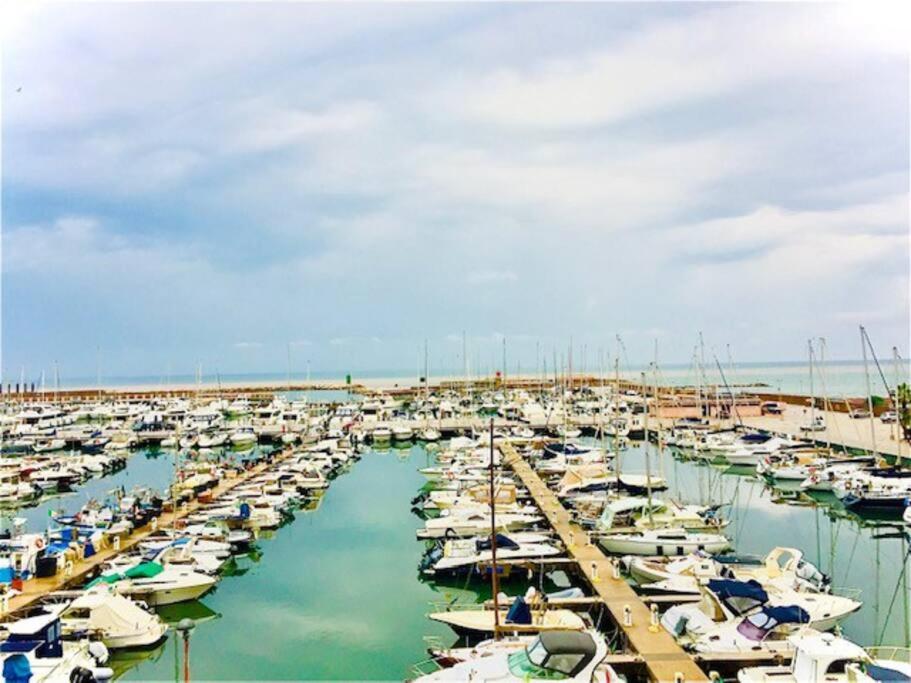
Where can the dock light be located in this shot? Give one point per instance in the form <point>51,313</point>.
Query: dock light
<point>117,542</point>
<point>154,523</point>
<point>4,603</point>
<point>595,571</point>
<point>572,539</point>
<point>654,625</point>
<point>615,568</point>
<point>185,628</point>
<point>627,616</point>
<point>678,677</point>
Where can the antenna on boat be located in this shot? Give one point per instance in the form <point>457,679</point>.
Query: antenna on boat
<point>494,579</point>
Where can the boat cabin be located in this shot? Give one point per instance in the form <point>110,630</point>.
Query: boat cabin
<point>554,654</point>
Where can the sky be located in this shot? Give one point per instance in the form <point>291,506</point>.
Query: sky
<point>249,186</point>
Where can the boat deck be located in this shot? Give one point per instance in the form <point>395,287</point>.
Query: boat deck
<point>664,659</point>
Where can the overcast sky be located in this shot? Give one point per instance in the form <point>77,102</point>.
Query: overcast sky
<point>213,182</point>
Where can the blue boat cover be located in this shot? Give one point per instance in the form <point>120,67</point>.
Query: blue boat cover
<point>787,614</point>
<point>519,612</point>
<point>883,674</point>
<point>16,669</point>
<point>729,588</point>
<point>502,542</point>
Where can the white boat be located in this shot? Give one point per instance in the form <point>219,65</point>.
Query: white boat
<point>212,439</point>
<point>481,621</point>
<point>35,649</point>
<point>825,658</point>
<point>402,432</point>
<point>243,437</point>
<point>157,585</point>
<point>381,435</point>
<point>459,555</point>
<point>663,542</point>
<point>429,434</point>
<point>554,655</point>
<point>119,621</point>
<point>767,630</point>
<point>454,522</point>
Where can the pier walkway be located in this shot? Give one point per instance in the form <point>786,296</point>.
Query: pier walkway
<point>662,656</point>
<point>33,590</point>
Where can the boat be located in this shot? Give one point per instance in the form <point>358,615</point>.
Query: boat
<point>767,630</point>
<point>461,555</point>
<point>553,655</point>
<point>429,434</point>
<point>157,585</point>
<point>457,522</point>
<point>120,622</point>
<point>528,613</point>
<point>243,437</point>
<point>402,432</point>
<point>34,649</point>
<point>826,658</point>
<point>662,542</point>
<point>381,436</point>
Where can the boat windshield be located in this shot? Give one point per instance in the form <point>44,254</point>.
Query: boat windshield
<point>522,666</point>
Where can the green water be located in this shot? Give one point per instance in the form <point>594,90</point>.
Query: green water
<point>335,594</point>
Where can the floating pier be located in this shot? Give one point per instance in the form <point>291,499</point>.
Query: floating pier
<point>664,659</point>
<point>78,570</point>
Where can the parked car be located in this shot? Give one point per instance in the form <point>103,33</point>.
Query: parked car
<point>860,413</point>
<point>889,417</point>
<point>772,408</point>
<point>817,425</point>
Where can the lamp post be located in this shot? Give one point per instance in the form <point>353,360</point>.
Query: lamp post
<point>185,628</point>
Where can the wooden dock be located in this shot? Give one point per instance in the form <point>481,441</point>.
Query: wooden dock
<point>664,659</point>
<point>80,570</point>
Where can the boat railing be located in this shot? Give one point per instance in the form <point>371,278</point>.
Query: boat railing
<point>846,592</point>
<point>894,653</point>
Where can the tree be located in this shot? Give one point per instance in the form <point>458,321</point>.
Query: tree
<point>903,408</point>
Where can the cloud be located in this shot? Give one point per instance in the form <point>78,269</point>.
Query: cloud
<point>485,277</point>
<point>591,167</point>
<point>248,345</point>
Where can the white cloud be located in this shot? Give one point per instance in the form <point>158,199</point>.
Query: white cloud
<point>486,277</point>
<point>248,345</point>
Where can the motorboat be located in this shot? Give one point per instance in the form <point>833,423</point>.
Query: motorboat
<point>120,622</point>
<point>157,585</point>
<point>33,648</point>
<point>663,542</point>
<point>429,434</point>
<point>553,655</point>
<point>457,522</point>
<point>826,658</point>
<point>462,555</point>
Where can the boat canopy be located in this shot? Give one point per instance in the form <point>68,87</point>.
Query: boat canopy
<point>757,626</point>
<point>502,542</point>
<point>739,596</point>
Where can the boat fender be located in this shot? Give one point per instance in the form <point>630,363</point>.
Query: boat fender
<point>99,652</point>
<point>102,674</point>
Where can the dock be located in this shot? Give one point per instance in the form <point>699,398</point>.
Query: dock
<point>79,570</point>
<point>664,659</point>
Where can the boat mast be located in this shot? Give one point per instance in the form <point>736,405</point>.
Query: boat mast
<point>821,369</point>
<point>812,394</point>
<point>863,345</point>
<point>494,579</point>
<point>648,466</point>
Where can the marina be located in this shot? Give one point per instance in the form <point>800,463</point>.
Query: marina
<point>498,342</point>
<point>553,499</point>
